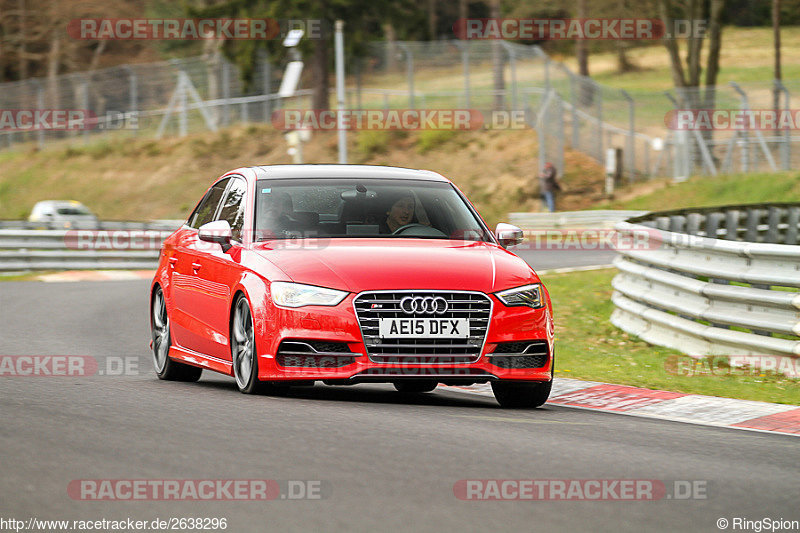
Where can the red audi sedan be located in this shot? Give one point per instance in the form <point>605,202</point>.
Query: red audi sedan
<point>345,274</point>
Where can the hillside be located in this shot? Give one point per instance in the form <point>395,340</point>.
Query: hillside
<point>141,178</point>
<point>708,191</point>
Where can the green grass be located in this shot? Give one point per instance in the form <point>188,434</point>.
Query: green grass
<point>23,276</point>
<point>589,347</point>
<point>720,190</point>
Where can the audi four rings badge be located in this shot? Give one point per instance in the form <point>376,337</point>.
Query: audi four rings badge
<point>424,305</point>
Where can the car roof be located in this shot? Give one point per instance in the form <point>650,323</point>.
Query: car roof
<point>344,171</point>
<point>59,203</point>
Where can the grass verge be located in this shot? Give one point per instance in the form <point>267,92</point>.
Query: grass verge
<point>590,347</point>
<point>710,190</point>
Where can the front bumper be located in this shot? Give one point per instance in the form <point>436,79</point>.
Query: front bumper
<point>339,325</point>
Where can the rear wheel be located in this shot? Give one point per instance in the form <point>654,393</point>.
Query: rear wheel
<point>243,349</point>
<point>521,395</point>
<point>416,385</point>
<point>165,367</point>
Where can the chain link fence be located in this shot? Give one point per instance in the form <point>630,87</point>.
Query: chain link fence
<point>564,109</point>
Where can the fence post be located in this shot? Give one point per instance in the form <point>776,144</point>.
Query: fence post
<point>600,147</point>
<point>630,158</point>
<point>547,72</point>
<point>409,73</point>
<point>182,118</point>
<point>573,95</point>
<point>744,105</point>
<point>85,103</point>
<point>226,91</point>
<point>40,105</point>
<point>786,146</point>
<point>266,87</point>
<point>464,46</point>
<point>540,133</point>
<point>680,156</point>
<point>512,60</point>
<point>133,93</point>
<point>560,119</point>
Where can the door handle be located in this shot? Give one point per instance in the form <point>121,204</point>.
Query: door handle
<point>196,266</point>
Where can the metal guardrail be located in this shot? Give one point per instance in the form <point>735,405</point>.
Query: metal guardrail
<point>98,225</point>
<point>713,281</point>
<point>107,246</point>
<point>600,219</point>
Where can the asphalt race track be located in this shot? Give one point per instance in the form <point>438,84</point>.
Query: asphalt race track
<point>385,461</point>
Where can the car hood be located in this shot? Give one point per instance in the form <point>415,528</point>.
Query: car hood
<point>357,265</point>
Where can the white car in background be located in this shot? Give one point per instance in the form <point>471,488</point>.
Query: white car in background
<point>54,214</point>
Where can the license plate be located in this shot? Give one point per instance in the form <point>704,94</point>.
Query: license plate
<point>424,328</point>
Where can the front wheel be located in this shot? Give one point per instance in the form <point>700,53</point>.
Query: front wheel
<point>243,349</point>
<point>521,395</point>
<point>166,368</point>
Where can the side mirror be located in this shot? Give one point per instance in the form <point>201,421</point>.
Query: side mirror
<point>508,235</point>
<point>219,232</point>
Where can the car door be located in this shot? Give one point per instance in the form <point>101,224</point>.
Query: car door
<point>217,272</point>
<point>187,330</point>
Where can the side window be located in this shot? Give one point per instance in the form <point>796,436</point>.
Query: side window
<point>233,206</point>
<point>204,213</point>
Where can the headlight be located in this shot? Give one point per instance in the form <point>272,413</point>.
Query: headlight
<point>298,295</point>
<point>528,295</point>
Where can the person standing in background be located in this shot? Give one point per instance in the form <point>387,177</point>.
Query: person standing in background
<point>549,185</point>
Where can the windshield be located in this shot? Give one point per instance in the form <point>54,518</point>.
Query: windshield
<point>363,208</point>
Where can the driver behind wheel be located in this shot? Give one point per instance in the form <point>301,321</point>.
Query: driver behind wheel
<point>400,213</point>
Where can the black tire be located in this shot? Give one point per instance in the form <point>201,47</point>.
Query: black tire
<point>415,385</point>
<point>521,395</point>
<point>244,356</point>
<point>165,367</point>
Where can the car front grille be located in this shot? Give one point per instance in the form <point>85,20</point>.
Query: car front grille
<point>370,307</point>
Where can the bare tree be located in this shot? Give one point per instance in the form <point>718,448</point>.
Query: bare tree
<point>581,49</point>
<point>686,78</point>
<point>433,20</point>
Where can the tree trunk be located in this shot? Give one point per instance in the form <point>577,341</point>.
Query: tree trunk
<point>581,48</point>
<point>676,66</point>
<point>432,20</point>
<point>498,62</point>
<point>623,63</point>
<point>23,61</point>
<point>695,45</point>
<point>53,60</point>
<point>391,47</point>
